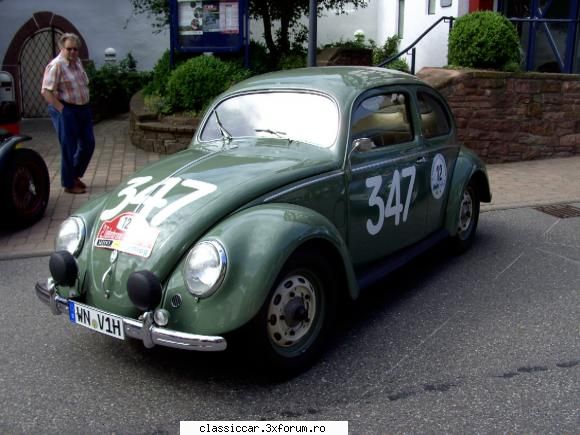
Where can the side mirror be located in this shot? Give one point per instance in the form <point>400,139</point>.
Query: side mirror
<point>363,144</point>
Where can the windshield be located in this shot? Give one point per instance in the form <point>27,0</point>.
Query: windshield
<point>310,118</point>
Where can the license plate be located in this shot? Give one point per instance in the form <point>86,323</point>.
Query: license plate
<point>96,320</point>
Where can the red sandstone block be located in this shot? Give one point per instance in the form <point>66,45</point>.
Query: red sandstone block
<point>570,140</point>
<point>571,86</point>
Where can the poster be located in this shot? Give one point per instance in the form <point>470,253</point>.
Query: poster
<point>207,16</point>
<point>190,14</point>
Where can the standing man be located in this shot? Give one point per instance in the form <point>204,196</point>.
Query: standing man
<point>65,87</point>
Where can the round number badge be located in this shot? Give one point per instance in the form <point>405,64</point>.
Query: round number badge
<point>438,176</point>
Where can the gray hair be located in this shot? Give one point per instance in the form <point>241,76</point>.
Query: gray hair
<point>69,36</point>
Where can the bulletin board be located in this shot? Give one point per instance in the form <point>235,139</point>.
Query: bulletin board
<point>209,25</point>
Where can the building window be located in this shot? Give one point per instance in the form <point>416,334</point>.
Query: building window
<point>431,7</point>
<point>401,18</point>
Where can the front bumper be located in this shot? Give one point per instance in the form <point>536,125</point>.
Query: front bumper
<point>146,330</point>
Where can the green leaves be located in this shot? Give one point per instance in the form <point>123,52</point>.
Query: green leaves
<point>195,83</point>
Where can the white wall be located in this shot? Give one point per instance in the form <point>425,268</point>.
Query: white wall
<point>111,23</point>
<point>103,24</point>
<point>432,50</point>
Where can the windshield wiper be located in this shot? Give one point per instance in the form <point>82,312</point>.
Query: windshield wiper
<point>225,134</point>
<point>280,134</point>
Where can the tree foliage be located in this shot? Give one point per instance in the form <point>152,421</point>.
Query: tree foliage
<point>284,13</point>
<point>287,13</point>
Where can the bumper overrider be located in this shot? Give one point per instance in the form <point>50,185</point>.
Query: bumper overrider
<point>145,330</point>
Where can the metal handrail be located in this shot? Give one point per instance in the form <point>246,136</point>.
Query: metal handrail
<point>412,45</point>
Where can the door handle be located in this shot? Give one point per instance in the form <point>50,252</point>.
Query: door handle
<point>420,160</point>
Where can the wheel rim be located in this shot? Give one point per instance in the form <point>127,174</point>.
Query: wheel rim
<point>24,192</point>
<point>292,311</point>
<point>465,214</point>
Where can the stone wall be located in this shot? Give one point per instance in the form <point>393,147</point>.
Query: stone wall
<point>162,135</point>
<point>504,117</point>
<point>508,117</point>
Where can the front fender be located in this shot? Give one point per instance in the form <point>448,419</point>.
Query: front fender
<point>258,242</point>
<point>7,146</point>
<point>468,168</point>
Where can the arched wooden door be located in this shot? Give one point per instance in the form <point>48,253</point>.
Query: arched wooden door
<point>31,48</point>
<point>36,53</point>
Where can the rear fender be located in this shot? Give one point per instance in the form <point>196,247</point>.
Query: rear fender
<point>468,169</point>
<point>258,242</point>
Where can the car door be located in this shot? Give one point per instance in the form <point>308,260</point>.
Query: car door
<point>440,143</point>
<point>387,177</point>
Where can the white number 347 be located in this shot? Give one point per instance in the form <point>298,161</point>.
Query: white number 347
<point>151,200</point>
<point>393,207</point>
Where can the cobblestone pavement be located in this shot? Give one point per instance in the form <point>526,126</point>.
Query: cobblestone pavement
<point>521,184</point>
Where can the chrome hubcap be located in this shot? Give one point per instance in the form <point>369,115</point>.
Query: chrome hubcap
<point>465,212</point>
<point>291,311</point>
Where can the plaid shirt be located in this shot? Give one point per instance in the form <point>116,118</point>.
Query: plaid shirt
<point>67,80</point>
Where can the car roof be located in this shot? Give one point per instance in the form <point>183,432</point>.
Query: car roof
<point>342,82</point>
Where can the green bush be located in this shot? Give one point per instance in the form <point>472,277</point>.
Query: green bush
<point>112,86</point>
<point>193,84</point>
<point>390,48</point>
<point>260,60</point>
<point>294,59</point>
<point>484,39</point>
<point>160,74</point>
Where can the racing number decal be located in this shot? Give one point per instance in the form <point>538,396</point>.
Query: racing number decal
<point>153,197</point>
<point>393,207</point>
<point>438,176</point>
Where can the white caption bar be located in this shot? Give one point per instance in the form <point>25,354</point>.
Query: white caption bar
<point>259,427</point>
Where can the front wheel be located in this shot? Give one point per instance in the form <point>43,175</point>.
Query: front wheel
<point>297,315</point>
<point>467,220</point>
<point>25,188</point>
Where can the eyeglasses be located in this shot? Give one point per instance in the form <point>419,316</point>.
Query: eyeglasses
<point>72,49</point>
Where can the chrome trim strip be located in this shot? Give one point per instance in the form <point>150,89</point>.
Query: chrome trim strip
<point>301,185</point>
<point>145,331</point>
<point>386,162</point>
<point>404,157</point>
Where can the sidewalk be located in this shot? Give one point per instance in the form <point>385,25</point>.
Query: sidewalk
<point>521,184</point>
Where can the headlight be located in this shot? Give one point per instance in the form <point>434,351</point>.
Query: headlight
<point>205,268</point>
<point>71,236</point>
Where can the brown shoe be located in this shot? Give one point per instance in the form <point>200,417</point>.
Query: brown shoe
<point>75,189</point>
<point>79,183</point>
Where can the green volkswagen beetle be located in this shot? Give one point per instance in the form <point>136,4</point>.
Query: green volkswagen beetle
<point>299,190</point>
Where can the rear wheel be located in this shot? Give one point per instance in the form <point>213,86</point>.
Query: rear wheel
<point>467,220</point>
<point>25,188</point>
<point>296,317</point>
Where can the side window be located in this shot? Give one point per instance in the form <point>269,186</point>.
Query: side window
<point>384,119</point>
<point>434,119</point>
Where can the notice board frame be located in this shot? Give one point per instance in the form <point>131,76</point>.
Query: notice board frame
<point>215,26</point>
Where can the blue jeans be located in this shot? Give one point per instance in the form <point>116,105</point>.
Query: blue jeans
<point>74,127</point>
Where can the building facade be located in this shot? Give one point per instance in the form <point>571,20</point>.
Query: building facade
<point>29,30</point>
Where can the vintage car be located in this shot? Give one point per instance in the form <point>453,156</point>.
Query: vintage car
<point>300,189</point>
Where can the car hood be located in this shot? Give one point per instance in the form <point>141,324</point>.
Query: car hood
<point>155,217</point>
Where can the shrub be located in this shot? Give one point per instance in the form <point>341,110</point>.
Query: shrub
<point>260,60</point>
<point>484,39</point>
<point>112,86</point>
<point>193,84</point>
<point>160,74</point>
<point>389,48</point>
<point>294,59</point>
